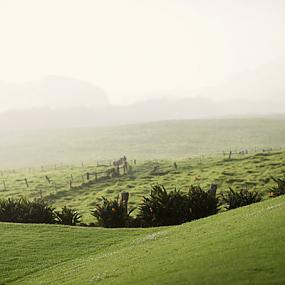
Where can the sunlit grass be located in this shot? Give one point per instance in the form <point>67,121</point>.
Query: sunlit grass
<point>253,171</point>
<point>242,246</point>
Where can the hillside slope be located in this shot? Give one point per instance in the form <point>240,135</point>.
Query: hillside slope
<point>243,246</point>
<point>157,140</point>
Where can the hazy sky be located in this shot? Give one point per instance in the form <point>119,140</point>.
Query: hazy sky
<point>135,48</point>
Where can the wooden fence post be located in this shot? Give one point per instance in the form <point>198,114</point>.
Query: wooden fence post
<point>41,194</point>
<point>48,179</point>
<point>4,184</point>
<point>124,201</point>
<point>213,190</point>
<point>230,155</point>
<point>26,181</point>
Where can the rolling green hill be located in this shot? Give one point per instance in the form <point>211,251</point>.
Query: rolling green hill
<point>157,140</point>
<point>242,246</point>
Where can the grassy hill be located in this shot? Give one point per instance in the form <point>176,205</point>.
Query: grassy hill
<point>252,171</point>
<point>242,246</point>
<point>158,140</point>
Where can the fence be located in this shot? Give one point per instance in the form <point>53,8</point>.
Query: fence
<point>113,169</point>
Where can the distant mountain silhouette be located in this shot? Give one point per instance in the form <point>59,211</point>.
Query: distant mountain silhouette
<point>144,112</point>
<point>51,92</point>
<point>58,102</point>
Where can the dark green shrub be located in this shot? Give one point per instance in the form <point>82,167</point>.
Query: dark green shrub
<point>111,214</point>
<point>279,189</point>
<point>68,216</point>
<point>202,203</point>
<point>162,208</point>
<point>135,222</point>
<point>25,211</point>
<point>235,199</point>
<point>39,211</point>
<point>9,210</point>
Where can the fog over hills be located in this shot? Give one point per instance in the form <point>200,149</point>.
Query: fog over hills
<point>53,92</point>
<point>56,102</point>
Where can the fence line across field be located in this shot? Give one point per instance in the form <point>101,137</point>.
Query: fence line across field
<point>110,172</point>
<point>113,169</point>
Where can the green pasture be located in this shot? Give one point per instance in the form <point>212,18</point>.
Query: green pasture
<point>242,246</point>
<point>252,171</point>
<point>158,140</point>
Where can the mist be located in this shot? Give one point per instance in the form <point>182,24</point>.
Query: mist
<point>70,64</point>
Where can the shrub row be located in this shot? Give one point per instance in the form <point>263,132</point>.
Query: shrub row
<point>37,211</point>
<point>161,208</point>
<point>164,208</point>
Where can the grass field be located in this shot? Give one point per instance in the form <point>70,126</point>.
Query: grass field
<point>242,246</point>
<point>251,171</point>
<point>158,140</point>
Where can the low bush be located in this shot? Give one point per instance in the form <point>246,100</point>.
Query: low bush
<point>25,211</point>
<point>68,216</point>
<point>235,199</point>
<point>279,189</point>
<point>202,203</point>
<point>162,208</point>
<point>9,210</point>
<point>112,213</point>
